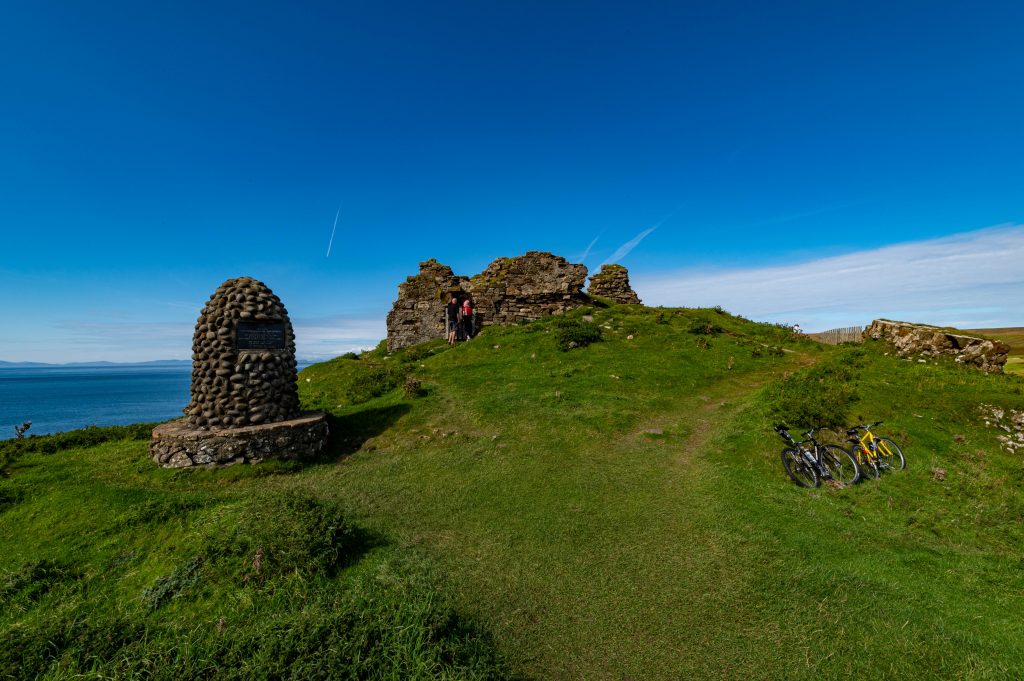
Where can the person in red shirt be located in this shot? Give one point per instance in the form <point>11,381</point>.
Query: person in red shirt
<point>466,317</point>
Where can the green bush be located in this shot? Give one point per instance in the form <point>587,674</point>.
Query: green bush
<point>819,396</point>
<point>291,533</point>
<point>571,332</point>
<point>374,382</point>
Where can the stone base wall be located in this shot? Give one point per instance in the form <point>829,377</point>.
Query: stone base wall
<point>178,445</point>
<point>931,341</point>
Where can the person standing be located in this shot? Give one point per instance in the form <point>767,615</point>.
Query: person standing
<point>451,317</point>
<point>467,319</point>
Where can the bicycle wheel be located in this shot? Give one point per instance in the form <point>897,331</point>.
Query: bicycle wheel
<point>890,455</point>
<point>802,473</point>
<point>868,466</point>
<point>840,464</point>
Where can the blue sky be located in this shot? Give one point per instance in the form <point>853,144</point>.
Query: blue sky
<point>148,151</point>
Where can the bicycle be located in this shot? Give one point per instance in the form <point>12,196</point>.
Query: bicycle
<point>875,453</point>
<point>807,465</point>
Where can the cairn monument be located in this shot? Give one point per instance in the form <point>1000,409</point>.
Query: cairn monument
<point>244,405</point>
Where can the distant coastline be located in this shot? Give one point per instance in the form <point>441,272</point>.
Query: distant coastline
<point>96,365</point>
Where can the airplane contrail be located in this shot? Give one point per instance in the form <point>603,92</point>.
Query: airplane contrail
<point>331,242</point>
<point>625,248</point>
<point>587,252</point>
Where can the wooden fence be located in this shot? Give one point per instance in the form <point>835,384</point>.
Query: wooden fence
<point>849,334</point>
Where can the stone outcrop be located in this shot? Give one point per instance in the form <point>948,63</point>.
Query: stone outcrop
<point>234,383</point>
<point>612,282</point>
<point>245,401</point>
<point>932,341</point>
<point>509,291</point>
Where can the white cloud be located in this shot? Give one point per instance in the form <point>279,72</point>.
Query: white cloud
<point>974,279</point>
<point>325,337</point>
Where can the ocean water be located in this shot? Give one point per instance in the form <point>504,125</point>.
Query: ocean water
<point>58,398</point>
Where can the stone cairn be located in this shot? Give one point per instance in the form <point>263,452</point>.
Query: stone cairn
<point>612,282</point>
<point>232,386</point>
<point>932,341</point>
<point>509,291</point>
<point>245,402</point>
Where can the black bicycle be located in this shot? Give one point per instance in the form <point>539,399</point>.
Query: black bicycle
<point>808,462</point>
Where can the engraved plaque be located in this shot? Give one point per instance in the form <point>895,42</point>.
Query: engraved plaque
<point>263,335</point>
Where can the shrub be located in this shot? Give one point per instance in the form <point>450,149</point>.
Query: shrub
<point>374,382</point>
<point>350,355</point>
<point>820,396</point>
<point>571,332</point>
<point>286,532</point>
<point>412,387</point>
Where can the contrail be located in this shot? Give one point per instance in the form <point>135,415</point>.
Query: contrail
<point>331,242</point>
<point>625,248</point>
<point>587,252</point>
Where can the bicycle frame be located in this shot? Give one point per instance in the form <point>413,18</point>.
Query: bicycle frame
<point>869,446</point>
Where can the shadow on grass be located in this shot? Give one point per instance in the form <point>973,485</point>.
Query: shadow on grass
<point>349,432</point>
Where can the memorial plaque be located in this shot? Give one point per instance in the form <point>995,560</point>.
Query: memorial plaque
<point>260,336</point>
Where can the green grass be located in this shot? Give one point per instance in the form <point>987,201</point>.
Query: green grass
<point>604,512</point>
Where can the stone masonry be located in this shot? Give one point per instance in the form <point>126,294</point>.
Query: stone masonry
<point>509,291</point>
<point>245,402</point>
<point>931,341</point>
<point>241,387</point>
<point>612,282</point>
<point>418,314</point>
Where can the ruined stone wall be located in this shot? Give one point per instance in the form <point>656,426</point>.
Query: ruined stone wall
<point>236,386</point>
<point>527,288</point>
<point>612,282</point>
<point>931,341</point>
<point>509,291</point>
<point>418,314</point>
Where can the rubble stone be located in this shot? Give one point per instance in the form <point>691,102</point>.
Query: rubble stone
<point>612,282</point>
<point>932,341</point>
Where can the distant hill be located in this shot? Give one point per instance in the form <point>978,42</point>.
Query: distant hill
<point>151,363</point>
<point>1014,336</point>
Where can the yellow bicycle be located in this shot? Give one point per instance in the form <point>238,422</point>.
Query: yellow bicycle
<point>875,453</point>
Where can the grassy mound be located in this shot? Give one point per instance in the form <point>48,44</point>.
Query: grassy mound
<point>594,496</point>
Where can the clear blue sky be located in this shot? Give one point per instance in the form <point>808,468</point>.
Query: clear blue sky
<point>148,151</point>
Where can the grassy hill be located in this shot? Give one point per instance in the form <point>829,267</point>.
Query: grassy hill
<point>1014,337</point>
<point>611,510</point>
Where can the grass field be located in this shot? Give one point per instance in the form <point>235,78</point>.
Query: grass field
<point>614,511</point>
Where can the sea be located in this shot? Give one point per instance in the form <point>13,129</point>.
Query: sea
<point>57,398</point>
<point>60,398</point>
